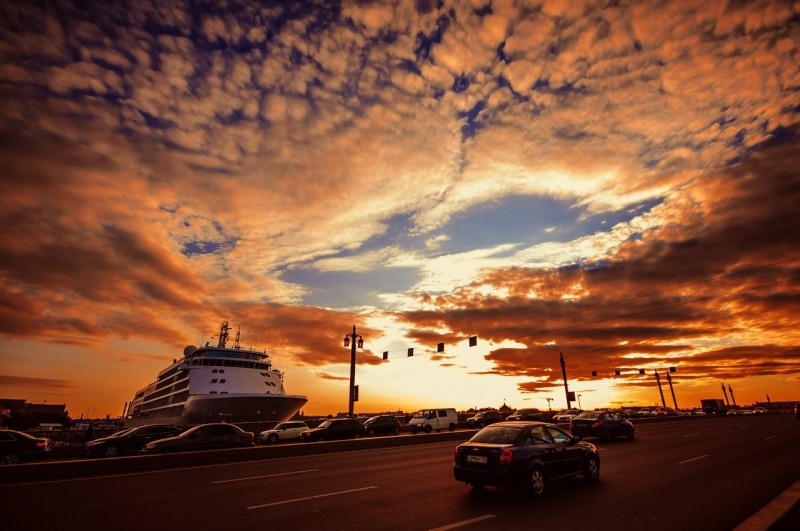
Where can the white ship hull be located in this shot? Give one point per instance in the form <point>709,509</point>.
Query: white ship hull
<point>200,409</point>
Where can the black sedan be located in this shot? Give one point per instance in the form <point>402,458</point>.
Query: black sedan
<point>603,424</point>
<point>524,454</point>
<point>526,414</point>
<point>202,437</point>
<point>129,441</point>
<point>382,425</point>
<point>16,446</point>
<point>334,429</point>
<point>483,418</point>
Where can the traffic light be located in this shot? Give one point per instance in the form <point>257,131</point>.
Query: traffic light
<point>473,340</point>
<point>410,352</point>
<point>386,355</point>
<point>616,372</point>
<point>355,393</point>
<point>594,373</point>
<point>440,347</point>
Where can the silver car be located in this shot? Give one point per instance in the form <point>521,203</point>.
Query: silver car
<point>284,431</point>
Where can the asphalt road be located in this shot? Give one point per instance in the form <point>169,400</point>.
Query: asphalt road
<point>703,475</point>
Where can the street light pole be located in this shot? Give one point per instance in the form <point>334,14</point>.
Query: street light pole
<point>356,340</point>
<point>564,373</point>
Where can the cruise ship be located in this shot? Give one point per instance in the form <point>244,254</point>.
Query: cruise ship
<point>215,384</point>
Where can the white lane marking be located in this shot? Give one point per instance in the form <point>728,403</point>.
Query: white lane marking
<point>217,465</point>
<point>465,522</point>
<point>691,434</point>
<point>770,437</point>
<point>693,459</point>
<point>310,497</point>
<point>266,476</point>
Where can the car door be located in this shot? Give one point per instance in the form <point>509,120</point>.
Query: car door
<point>545,450</point>
<point>223,436</point>
<point>569,455</point>
<point>200,439</point>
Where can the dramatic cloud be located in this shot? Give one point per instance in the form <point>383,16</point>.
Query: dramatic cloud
<point>617,182</point>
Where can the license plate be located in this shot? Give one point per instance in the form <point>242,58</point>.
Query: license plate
<point>477,459</point>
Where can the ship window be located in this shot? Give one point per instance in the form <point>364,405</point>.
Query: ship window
<point>214,370</point>
<point>222,381</point>
<point>214,380</point>
<point>222,370</point>
<point>213,392</point>
<point>224,392</point>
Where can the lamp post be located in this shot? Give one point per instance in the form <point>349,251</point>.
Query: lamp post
<point>352,340</point>
<point>579,402</point>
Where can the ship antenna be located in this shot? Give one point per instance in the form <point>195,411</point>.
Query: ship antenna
<point>223,334</point>
<point>238,333</point>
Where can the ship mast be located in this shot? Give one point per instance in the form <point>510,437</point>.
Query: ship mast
<point>238,333</point>
<point>223,334</point>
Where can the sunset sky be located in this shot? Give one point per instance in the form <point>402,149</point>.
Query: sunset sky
<point>615,181</point>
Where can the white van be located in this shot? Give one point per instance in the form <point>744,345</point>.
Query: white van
<point>433,419</point>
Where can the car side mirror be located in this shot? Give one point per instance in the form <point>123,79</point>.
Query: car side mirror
<point>575,440</point>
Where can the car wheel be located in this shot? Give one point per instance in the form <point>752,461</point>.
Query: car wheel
<point>428,429</point>
<point>111,451</point>
<point>9,459</point>
<point>370,432</point>
<point>537,482</point>
<point>592,469</point>
<point>357,436</point>
<point>273,438</point>
<point>608,435</point>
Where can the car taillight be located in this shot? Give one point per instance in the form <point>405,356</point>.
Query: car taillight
<point>505,456</point>
<point>41,445</point>
<point>596,424</point>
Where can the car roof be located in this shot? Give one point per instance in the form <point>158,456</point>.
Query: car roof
<point>520,423</point>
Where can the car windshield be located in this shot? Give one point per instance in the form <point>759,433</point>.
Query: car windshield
<point>325,424</point>
<point>122,432</point>
<point>590,415</point>
<point>496,435</point>
<point>281,426</point>
<point>421,414</point>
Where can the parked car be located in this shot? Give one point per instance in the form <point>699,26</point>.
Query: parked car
<point>284,431</point>
<point>567,415</point>
<point>524,455</point>
<point>664,412</point>
<point>382,425</point>
<point>604,424</point>
<point>428,420</point>
<point>483,418</point>
<point>526,414</point>
<point>16,446</point>
<point>760,410</point>
<point>202,437</point>
<point>128,441</point>
<point>334,429</point>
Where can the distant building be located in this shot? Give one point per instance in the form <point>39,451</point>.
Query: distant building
<point>21,414</point>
